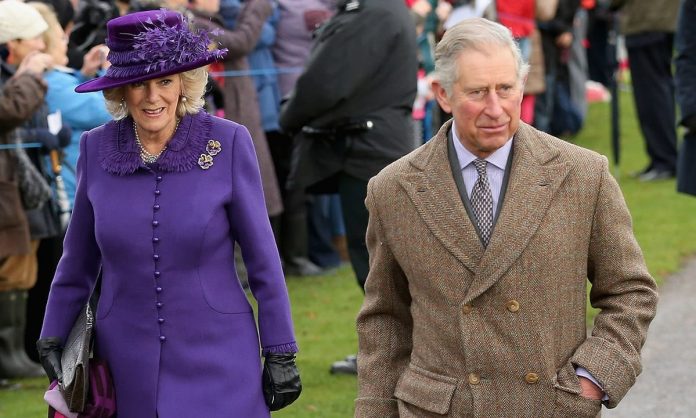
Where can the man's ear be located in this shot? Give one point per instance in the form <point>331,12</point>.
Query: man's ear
<point>523,83</point>
<point>441,96</point>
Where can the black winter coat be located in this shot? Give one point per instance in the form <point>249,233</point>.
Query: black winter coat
<point>686,95</point>
<point>362,67</point>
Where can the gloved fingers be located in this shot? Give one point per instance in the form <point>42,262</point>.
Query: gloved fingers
<point>51,364</point>
<point>54,366</point>
<point>284,398</point>
<point>268,388</point>
<point>281,381</point>
<point>45,137</point>
<point>50,350</point>
<point>64,136</point>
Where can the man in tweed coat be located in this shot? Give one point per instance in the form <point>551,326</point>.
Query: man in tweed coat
<point>470,313</point>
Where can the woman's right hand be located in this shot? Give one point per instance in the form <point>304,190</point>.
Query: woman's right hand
<point>281,380</point>
<point>50,350</point>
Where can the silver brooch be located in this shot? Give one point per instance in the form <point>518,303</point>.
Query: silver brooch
<point>205,161</point>
<point>213,148</point>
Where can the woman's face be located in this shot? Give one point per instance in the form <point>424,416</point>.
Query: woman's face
<point>59,47</point>
<point>152,104</point>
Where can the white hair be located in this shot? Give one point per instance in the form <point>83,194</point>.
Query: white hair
<point>473,34</point>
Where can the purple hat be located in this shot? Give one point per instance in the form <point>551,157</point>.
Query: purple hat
<point>151,44</point>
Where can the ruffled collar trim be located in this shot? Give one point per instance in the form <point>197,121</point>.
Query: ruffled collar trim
<point>119,154</point>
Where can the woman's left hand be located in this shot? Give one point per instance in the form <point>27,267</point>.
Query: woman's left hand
<point>281,380</point>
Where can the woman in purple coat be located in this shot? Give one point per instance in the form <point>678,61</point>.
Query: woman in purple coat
<point>164,191</point>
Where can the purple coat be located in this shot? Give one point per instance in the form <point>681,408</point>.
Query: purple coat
<point>173,321</point>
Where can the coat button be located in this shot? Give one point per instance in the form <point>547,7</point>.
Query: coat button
<point>155,257</point>
<point>158,178</point>
<point>156,206</point>
<point>158,289</point>
<point>160,320</point>
<point>157,274</point>
<point>512,305</point>
<point>155,240</point>
<point>159,305</point>
<point>163,338</point>
<point>474,378</point>
<point>155,223</point>
<point>467,309</point>
<point>157,192</point>
<point>531,378</point>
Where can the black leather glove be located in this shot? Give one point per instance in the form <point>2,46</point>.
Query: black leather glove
<point>281,380</point>
<point>64,136</point>
<point>43,136</point>
<point>50,350</point>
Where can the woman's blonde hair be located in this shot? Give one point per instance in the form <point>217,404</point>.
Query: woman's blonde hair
<point>49,15</point>
<point>193,84</point>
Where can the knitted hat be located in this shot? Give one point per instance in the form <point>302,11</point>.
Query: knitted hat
<point>19,21</point>
<point>151,44</point>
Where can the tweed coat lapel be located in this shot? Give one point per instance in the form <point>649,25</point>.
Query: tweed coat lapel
<point>433,191</point>
<point>534,180</point>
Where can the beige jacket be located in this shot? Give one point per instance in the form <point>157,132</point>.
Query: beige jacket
<point>450,329</point>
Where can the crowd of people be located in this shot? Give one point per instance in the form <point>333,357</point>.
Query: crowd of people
<point>203,140</point>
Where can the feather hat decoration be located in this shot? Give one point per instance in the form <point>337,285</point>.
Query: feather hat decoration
<point>152,44</point>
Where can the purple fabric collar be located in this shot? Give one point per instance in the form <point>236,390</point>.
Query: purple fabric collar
<point>120,155</point>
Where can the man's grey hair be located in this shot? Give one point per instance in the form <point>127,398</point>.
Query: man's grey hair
<point>473,34</point>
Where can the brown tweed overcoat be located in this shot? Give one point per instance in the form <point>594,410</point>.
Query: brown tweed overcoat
<point>449,328</point>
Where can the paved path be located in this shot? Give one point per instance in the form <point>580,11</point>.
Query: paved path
<point>667,386</point>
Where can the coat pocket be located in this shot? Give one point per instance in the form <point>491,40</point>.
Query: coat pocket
<point>569,403</point>
<point>430,392</point>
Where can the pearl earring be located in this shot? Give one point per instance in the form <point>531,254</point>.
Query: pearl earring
<point>123,102</point>
<point>183,99</point>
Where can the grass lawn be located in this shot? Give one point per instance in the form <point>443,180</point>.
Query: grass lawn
<point>324,308</point>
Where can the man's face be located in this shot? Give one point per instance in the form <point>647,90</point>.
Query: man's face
<point>20,48</point>
<point>485,100</point>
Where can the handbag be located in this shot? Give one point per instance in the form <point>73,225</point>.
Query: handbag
<point>75,360</point>
<point>87,386</point>
<point>33,187</point>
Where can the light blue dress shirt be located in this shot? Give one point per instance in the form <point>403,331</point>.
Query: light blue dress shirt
<point>495,169</point>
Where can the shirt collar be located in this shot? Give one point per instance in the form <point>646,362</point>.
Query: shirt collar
<point>498,158</point>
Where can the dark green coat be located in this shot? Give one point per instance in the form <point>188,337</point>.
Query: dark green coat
<point>638,16</point>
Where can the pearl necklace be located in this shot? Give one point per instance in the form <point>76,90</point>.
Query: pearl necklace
<point>145,155</point>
